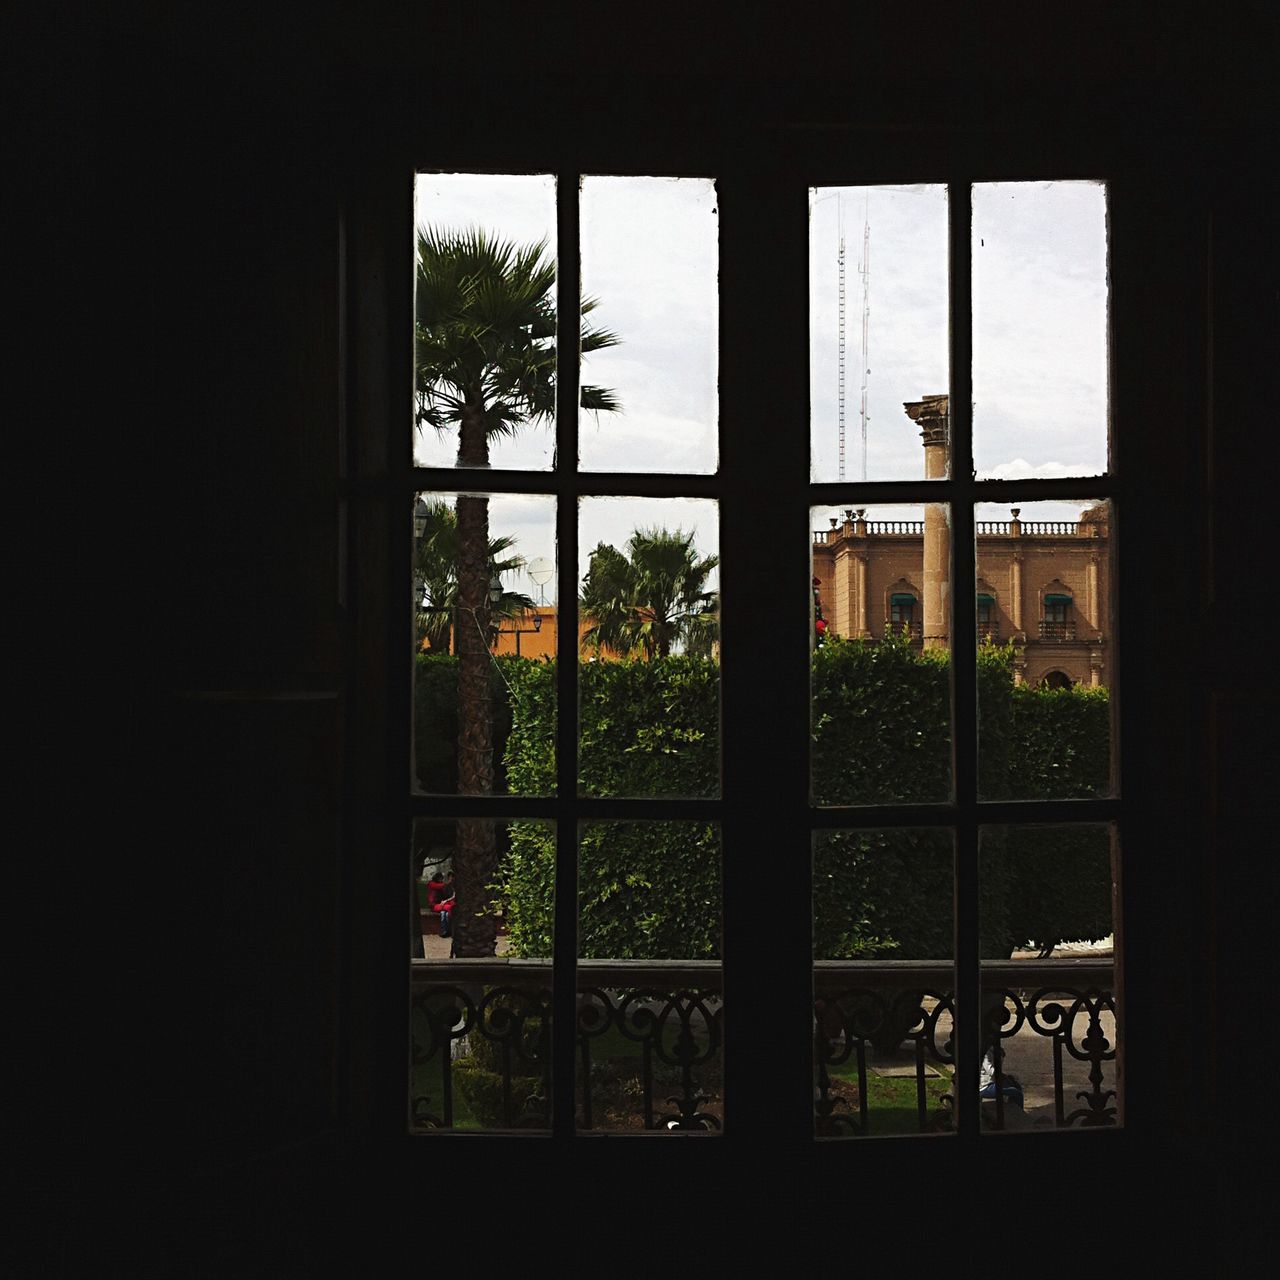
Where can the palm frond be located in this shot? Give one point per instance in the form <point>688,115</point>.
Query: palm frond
<point>485,326</point>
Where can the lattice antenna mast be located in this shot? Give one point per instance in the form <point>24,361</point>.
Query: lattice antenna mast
<point>840,330</point>
<point>865,271</point>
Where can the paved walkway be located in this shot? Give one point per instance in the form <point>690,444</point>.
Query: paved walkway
<point>434,947</point>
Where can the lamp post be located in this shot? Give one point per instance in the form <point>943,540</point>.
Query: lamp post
<point>518,630</point>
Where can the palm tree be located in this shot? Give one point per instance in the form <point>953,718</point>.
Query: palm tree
<point>435,567</point>
<point>485,362</point>
<point>653,598</point>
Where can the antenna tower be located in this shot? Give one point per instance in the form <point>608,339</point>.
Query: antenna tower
<point>865,272</point>
<point>840,336</point>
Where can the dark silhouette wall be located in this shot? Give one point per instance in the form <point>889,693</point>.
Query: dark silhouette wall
<point>243,141</point>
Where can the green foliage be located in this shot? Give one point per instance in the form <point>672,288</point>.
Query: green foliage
<point>880,731</point>
<point>882,893</point>
<point>1060,883</point>
<point>1063,738</point>
<point>485,333</point>
<point>880,723</point>
<point>435,570</point>
<point>481,1091</point>
<point>435,719</point>
<point>647,890</point>
<point>652,598</point>
<point>1060,877</point>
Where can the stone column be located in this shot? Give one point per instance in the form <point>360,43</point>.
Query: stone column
<point>933,415</point>
<point>860,618</point>
<point>1091,579</point>
<point>1015,571</point>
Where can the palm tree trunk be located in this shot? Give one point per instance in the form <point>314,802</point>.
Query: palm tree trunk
<point>475,857</point>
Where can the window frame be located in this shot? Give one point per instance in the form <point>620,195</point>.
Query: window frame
<point>769,199</point>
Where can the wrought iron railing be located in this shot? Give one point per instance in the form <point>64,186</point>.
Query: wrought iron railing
<point>486,1025</point>
<point>989,630</point>
<point>1057,630</point>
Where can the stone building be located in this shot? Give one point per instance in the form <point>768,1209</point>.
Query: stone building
<point>1044,585</point>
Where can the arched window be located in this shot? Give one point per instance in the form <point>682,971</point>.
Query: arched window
<point>1056,680</point>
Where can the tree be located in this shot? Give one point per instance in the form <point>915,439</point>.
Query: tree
<point>652,598</point>
<point>485,363</point>
<point>435,567</point>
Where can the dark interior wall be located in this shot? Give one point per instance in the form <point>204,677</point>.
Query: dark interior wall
<point>248,136</point>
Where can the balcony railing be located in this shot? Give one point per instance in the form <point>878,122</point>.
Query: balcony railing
<point>984,528</point>
<point>1057,630</point>
<point>668,1017</point>
<point>914,631</point>
<point>989,630</point>
<point>1032,528</point>
<point>875,529</point>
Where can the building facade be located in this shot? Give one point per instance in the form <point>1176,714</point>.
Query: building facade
<point>1044,585</point>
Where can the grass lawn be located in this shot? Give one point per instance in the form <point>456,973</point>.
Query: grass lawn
<point>891,1100</point>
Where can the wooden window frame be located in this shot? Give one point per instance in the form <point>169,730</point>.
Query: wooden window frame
<point>756,202</point>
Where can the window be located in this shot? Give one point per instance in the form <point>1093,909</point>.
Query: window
<point>763,491</point>
<point>1056,623</point>
<point>890,975</point>
<point>902,610</point>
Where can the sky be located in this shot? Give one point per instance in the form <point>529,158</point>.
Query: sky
<point>649,255</point>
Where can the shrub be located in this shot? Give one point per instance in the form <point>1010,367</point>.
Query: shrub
<point>481,1089</point>
<point>880,731</point>
<point>435,720</point>
<point>647,890</point>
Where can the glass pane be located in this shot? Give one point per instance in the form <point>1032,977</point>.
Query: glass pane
<point>485,320</point>
<point>1049,995</point>
<point>480,1027</point>
<point>878,328</point>
<point>650,1008</point>
<point>881,676</point>
<point>650,263</point>
<point>649,710</point>
<point>1039,329</point>
<point>1046,650</point>
<point>483,643</point>
<point>884,982</point>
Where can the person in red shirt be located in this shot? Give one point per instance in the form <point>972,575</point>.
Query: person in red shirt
<point>444,905</point>
<point>436,891</point>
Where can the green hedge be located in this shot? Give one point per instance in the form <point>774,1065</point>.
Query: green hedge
<point>435,720</point>
<point>1060,877</point>
<point>880,732</point>
<point>647,890</point>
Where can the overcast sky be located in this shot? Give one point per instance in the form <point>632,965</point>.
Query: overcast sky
<point>649,256</point>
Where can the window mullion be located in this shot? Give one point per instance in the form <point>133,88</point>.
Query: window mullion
<point>765,659</point>
<point>964,711</point>
<point>565,949</point>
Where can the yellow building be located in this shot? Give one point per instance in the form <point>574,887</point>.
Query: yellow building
<point>1044,585</point>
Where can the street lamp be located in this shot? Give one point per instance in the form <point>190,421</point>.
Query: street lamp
<point>517,630</point>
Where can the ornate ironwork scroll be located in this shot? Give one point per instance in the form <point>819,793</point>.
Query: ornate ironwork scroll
<point>847,1022</point>
<point>1072,1021</point>
<point>441,1015</point>
<point>512,1023</point>
<point>666,1025</point>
